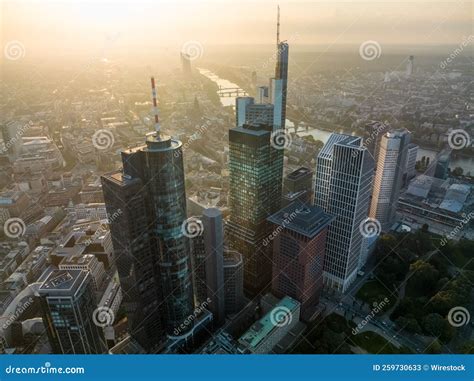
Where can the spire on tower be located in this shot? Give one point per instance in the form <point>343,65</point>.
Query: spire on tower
<point>278,26</point>
<point>155,107</point>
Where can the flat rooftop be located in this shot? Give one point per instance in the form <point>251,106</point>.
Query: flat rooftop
<point>262,328</point>
<point>308,220</point>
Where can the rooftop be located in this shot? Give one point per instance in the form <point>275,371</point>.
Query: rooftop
<point>262,328</point>
<point>308,220</point>
<point>63,280</point>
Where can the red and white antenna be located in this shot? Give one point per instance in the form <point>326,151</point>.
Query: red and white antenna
<point>155,107</point>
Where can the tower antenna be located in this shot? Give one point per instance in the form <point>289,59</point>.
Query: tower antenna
<point>278,25</point>
<point>155,107</point>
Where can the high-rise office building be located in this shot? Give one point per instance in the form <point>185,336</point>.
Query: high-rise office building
<point>270,107</point>
<point>297,187</point>
<point>233,281</point>
<point>442,165</point>
<point>343,182</point>
<point>155,173</point>
<point>69,309</point>
<point>126,198</point>
<point>214,248</point>
<point>247,111</point>
<point>280,82</point>
<point>298,253</point>
<point>390,168</point>
<point>410,171</point>
<point>255,179</point>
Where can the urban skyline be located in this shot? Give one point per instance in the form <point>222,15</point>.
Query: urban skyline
<point>240,209</point>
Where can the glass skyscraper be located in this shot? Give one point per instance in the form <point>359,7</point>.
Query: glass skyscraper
<point>256,170</point>
<point>149,234</point>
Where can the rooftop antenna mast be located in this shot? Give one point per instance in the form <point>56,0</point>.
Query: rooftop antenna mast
<point>155,108</point>
<point>278,26</point>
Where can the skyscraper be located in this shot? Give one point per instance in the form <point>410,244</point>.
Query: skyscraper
<point>214,247</point>
<point>255,180</point>
<point>280,82</point>
<point>156,170</point>
<point>298,253</point>
<point>344,170</point>
<point>297,187</point>
<point>233,281</point>
<point>409,69</point>
<point>69,309</point>
<point>391,166</point>
<point>262,111</point>
<point>411,162</point>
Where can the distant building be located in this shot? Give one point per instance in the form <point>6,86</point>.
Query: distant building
<point>442,165</point>
<point>186,64</point>
<point>247,111</point>
<point>88,263</point>
<point>411,162</point>
<point>344,171</point>
<point>265,334</point>
<point>390,168</point>
<point>410,63</point>
<point>68,304</point>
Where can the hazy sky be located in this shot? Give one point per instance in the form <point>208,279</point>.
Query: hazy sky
<point>75,26</point>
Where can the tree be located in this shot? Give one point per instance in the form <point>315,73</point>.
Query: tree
<point>435,325</point>
<point>424,278</point>
<point>458,171</point>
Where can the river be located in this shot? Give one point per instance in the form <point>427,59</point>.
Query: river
<point>467,164</point>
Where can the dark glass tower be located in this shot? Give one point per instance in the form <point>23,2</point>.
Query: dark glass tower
<point>68,304</point>
<point>256,170</point>
<point>164,285</point>
<point>281,73</point>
